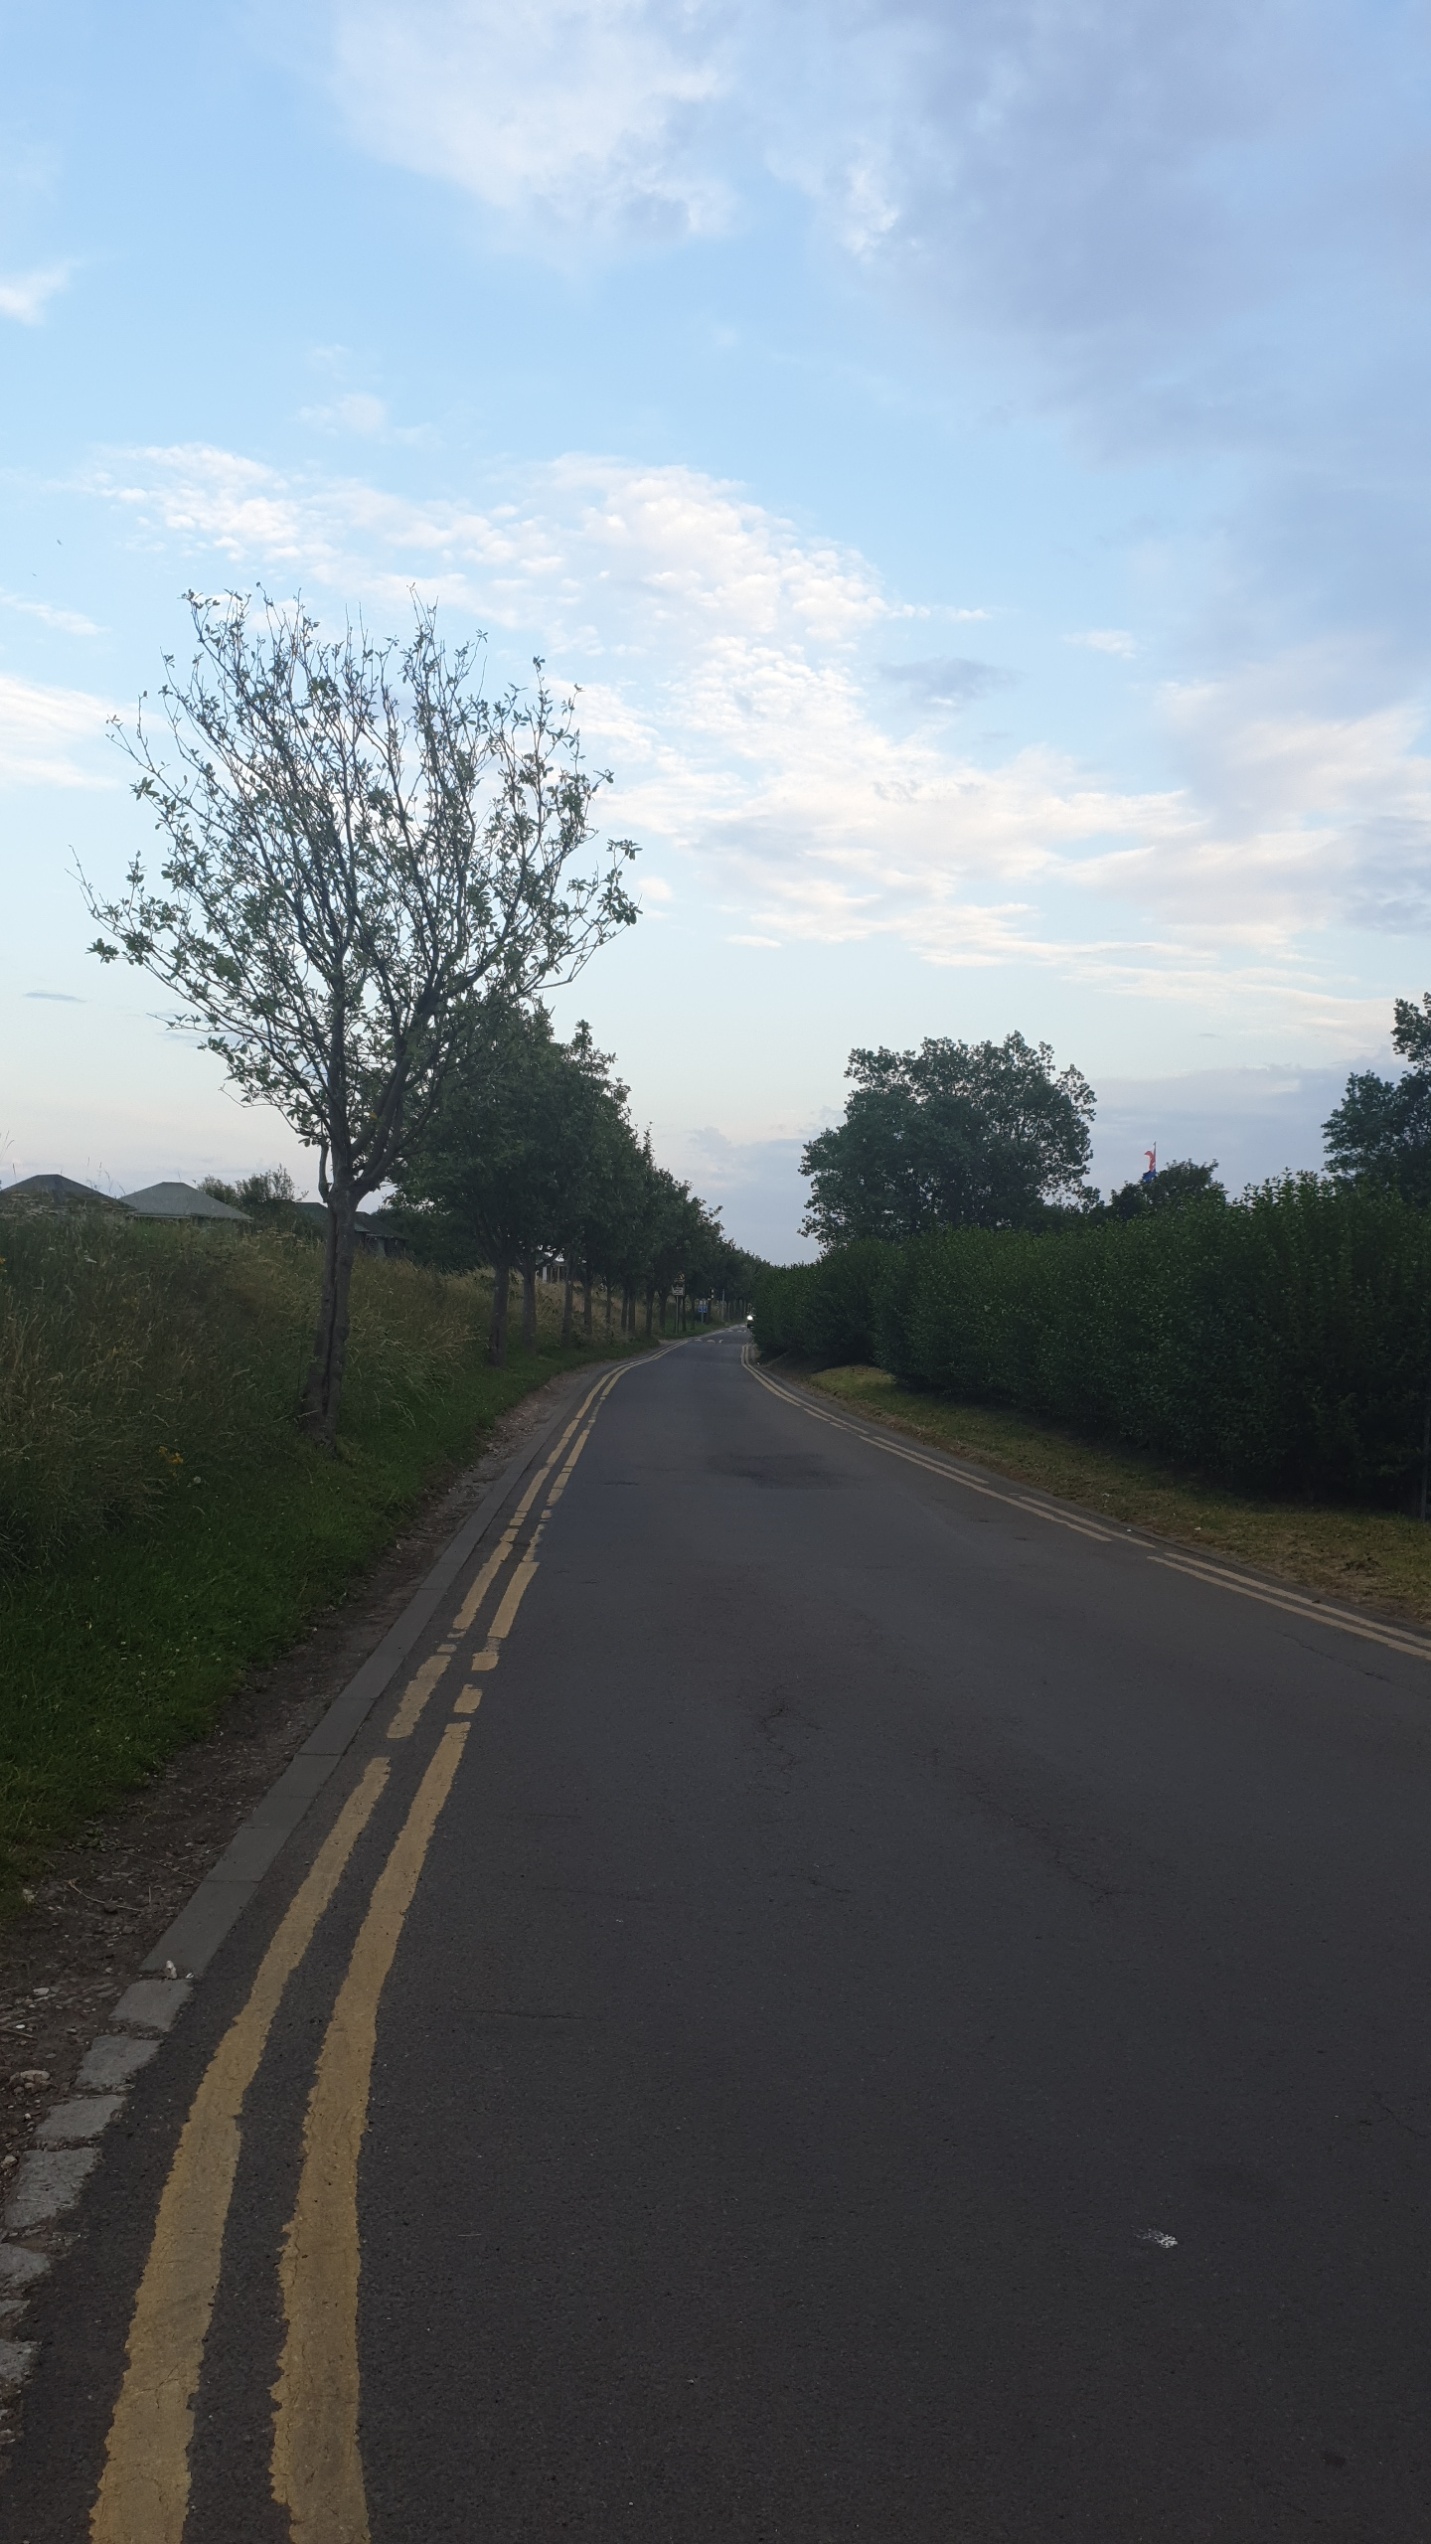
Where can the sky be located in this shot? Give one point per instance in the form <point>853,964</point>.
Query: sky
<point>971,461</point>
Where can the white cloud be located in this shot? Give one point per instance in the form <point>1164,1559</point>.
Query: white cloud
<point>69,622</point>
<point>25,296</point>
<point>1298,820</point>
<point>45,735</point>
<point>1175,231</point>
<point>1106,640</point>
<point>1093,169</point>
<point>729,674</point>
<point>578,112</point>
<point>356,412</point>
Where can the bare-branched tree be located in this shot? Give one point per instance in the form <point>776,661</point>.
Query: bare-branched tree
<point>356,841</point>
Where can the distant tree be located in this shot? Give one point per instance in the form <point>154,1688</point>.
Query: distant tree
<point>600,1150</point>
<point>953,1135</point>
<point>1171,1188</point>
<point>358,842</point>
<point>271,1190</point>
<point>530,1155</point>
<point>1380,1133</point>
<point>487,1167</point>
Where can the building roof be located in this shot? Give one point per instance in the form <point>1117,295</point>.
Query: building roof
<point>369,1223</point>
<point>61,1191</point>
<point>180,1201</point>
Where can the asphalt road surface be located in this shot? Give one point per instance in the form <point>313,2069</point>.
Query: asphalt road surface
<point>839,2004</point>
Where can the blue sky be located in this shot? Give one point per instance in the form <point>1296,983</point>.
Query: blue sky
<point>972,458</point>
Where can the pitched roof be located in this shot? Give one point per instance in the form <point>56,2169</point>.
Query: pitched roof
<point>61,1190</point>
<point>180,1201</point>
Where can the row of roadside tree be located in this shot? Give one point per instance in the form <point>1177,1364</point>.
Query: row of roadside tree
<point>371,870</point>
<point>530,1162</point>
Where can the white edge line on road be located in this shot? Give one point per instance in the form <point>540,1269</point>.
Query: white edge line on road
<point>1292,1602</point>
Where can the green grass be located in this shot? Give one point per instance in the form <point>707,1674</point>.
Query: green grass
<point>163,1525</point>
<point>1367,1557</point>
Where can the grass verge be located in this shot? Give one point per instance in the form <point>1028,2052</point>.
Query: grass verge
<point>129,1647</point>
<point>1364,1557</point>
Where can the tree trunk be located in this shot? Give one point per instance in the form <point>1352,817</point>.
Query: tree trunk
<point>650,1307</point>
<point>529,1304</point>
<point>568,1286</point>
<point>323,1386</point>
<point>608,1310</point>
<point>501,1290</point>
<point>586,1300</point>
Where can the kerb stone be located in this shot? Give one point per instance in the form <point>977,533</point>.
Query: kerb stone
<point>47,2183</point>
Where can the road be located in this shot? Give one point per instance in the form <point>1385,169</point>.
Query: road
<point>839,2003</point>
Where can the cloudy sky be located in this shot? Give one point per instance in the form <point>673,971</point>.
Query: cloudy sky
<point>972,458</point>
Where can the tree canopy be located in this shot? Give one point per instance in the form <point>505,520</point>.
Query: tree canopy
<point>1380,1133</point>
<point>530,1159</point>
<point>358,841</point>
<point>953,1135</point>
<point>1173,1186</point>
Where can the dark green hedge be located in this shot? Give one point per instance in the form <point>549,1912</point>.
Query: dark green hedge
<point>1284,1341</point>
<point>825,1311</point>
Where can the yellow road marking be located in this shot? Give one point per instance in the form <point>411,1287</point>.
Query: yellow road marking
<point>512,1597</point>
<point>143,2495</point>
<point>317,2469</point>
<point>432,1671</point>
<point>144,2489</point>
<point>475,1596</point>
<point>418,1690</point>
<point>485,1579</point>
<point>565,1476</point>
<point>500,1627</point>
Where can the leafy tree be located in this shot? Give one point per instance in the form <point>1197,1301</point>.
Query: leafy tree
<point>601,1167</point>
<point>1380,1133</point>
<point>1172,1188</point>
<point>531,1154</point>
<point>269,1193</point>
<point>487,1167</point>
<point>953,1135</point>
<point>358,842</point>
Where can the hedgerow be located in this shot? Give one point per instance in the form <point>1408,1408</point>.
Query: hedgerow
<point>1283,1342</point>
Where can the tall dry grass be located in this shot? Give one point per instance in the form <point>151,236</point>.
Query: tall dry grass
<point>140,1361</point>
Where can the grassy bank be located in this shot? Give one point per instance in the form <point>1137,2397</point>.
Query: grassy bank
<point>163,1527</point>
<point>1375,1558</point>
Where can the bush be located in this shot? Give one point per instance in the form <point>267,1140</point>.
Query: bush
<point>825,1311</point>
<point>1285,1342</point>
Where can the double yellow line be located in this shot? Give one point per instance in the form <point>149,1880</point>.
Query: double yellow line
<point>317,2471</point>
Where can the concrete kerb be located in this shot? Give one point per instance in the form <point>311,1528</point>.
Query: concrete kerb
<point>52,2176</point>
